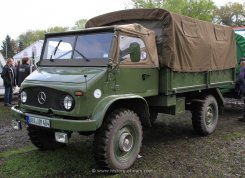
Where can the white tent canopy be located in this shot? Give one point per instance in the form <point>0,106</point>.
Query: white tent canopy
<point>34,50</point>
<point>2,60</point>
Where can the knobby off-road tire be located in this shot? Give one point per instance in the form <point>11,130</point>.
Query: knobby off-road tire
<point>43,139</point>
<point>117,143</point>
<point>153,116</point>
<point>205,115</point>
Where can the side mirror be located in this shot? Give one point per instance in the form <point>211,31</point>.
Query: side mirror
<point>110,64</point>
<point>134,52</point>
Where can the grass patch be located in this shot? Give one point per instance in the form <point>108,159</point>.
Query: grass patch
<point>14,152</point>
<point>35,163</point>
<point>233,136</point>
<point>5,114</point>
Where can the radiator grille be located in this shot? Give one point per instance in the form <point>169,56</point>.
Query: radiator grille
<point>54,98</point>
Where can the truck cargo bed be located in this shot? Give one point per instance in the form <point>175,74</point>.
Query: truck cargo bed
<point>172,82</point>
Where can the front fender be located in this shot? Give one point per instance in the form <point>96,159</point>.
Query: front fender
<point>104,104</point>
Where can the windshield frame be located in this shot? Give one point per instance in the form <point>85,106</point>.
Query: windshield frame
<point>77,62</point>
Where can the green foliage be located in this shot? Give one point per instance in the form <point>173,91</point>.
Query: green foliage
<point>31,36</point>
<point>176,6</point>
<point>21,46</point>
<point>148,3</point>
<point>199,9</point>
<point>9,47</point>
<point>14,47</point>
<point>56,29</point>
<point>27,38</point>
<point>231,14</point>
<point>80,24</point>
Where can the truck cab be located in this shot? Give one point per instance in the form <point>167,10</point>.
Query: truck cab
<point>79,70</point>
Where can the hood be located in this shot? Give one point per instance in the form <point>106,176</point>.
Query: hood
<point>65,74</point>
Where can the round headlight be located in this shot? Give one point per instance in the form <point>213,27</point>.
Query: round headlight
<point>68,102</point>
<point>23,96</point>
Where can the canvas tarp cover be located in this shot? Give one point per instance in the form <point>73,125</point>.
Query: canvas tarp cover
<point>183,43</point>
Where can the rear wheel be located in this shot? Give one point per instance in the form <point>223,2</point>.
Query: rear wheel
<point>117,143</point>
<point>153,116</point>
<point>43,139</point>
<point>205,115</point>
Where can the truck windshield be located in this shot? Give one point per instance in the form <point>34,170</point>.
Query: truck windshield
<point>87,48</point>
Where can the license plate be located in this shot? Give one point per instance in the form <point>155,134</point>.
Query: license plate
<point>38,121</point>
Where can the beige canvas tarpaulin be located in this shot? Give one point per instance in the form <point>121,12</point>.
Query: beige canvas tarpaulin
<point>183,44</point>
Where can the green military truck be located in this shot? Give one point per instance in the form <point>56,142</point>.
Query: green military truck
<point>116,76</point>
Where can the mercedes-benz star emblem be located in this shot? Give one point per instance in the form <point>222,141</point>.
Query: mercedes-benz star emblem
<point>41,97</point>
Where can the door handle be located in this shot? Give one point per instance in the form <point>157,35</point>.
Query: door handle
<point>144,76</point>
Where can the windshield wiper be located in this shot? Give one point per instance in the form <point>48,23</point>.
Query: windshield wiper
<point>84,57</point>
<point>55,50</point>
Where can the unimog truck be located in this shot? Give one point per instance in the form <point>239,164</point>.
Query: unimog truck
<point>114,77</point>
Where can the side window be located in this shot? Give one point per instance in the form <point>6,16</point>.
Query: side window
<point>128,45</point>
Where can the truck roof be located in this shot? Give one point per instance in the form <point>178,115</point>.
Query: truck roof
<point>184,44</point>
<point>72,32</point>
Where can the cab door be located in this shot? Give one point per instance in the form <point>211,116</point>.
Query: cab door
<point>136,73</point>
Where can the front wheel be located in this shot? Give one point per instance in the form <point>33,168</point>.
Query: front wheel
<point>117,143</point>
<point>43,139</point>
<point>205,115</point>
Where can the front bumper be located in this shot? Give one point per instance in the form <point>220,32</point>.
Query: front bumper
<point>56,123</point>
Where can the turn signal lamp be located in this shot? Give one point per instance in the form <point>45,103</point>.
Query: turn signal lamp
<point>78,93</point>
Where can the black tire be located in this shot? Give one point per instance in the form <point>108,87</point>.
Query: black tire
<point>43,139</point>
<point>205,115</point>
<point>153,116</point>
<point>117,143</point>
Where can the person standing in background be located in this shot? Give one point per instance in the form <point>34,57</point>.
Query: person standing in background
<point>9,80</point>
<point>23,71</point>
<point>240,86</point>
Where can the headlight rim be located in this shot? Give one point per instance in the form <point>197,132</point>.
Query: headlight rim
<point>21,97</point>
<point>72,103</point>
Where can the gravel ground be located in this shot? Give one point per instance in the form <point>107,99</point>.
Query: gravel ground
<point>171,148</point>
<point>11,138</point>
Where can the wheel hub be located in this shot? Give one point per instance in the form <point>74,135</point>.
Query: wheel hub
<point>125,142</point>
<point>210,115</point>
